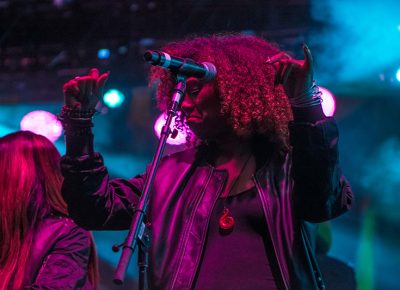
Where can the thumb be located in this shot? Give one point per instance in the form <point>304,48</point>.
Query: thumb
<point>308,59</point>
<point>101,82</point>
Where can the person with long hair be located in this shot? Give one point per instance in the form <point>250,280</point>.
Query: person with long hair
<point>228,212</point>
<point>40,247</point>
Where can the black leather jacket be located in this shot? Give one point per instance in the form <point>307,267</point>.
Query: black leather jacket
<point>305,185</point>
<point>60,256</point>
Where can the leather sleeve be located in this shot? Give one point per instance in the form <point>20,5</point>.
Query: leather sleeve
<point>94,201</point>
<point>66,265</point>
<point>320,191</point>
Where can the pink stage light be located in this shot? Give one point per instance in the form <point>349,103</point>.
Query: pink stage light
<point>328,102</point>
<point>178,140</point>
<point>42,123</point>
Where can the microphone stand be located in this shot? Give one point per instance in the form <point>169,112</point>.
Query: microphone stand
<point>139,233</point>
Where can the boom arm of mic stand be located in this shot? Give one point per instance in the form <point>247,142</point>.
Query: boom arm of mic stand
<point>138,227</point>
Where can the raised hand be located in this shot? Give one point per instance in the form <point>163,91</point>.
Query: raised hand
<point>296,76</point>
<point>83,92</point>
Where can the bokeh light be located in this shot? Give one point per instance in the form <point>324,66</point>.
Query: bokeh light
<point>113,98</point>
<point>328,102</point>
<point>103,53</point>
<point>180,137</point>
<point>398,75</point>
<point>42,123</point>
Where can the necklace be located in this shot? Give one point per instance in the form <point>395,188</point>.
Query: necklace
<point>226,221</point>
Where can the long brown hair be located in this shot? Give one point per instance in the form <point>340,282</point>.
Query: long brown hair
<point>30,189</point>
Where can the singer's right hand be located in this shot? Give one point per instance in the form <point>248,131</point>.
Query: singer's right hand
<point>296,76</point>
<point>83,92</point>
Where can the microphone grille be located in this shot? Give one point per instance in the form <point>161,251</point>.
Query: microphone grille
<point>211,71</point>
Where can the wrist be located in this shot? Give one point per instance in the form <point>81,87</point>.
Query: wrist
<point>309,98</point>
<point>68,112</point>
<point>76,126</point>
<point>308,114</point>
<point>76,123</point>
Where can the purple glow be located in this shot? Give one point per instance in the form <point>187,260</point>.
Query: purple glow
<point>179,139</point>
<point>42,123</point>
<point>328,102</point>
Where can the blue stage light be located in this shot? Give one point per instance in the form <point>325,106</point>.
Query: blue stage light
<point>113,98</point>
<point>103,53</point>
<point>398,75</point>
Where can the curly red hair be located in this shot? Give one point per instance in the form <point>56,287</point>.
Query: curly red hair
<point>249,98</point>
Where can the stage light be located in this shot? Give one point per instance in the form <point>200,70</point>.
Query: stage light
<point>123,49</point>
<point>61,3</point>
<point>103,53</point>
<point>146,42</point>
<point>4,4</point>
<point>134,7</point>
<point>328,102</point>
<point>398,75</point>
<point>151,5</point>
<point>180,137</point>
<point>250,32</point>
<point>42,123</point>
<point>113,98</point>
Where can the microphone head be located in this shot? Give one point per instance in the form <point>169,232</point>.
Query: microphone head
<point>211,71</point>
<point>152,56</point>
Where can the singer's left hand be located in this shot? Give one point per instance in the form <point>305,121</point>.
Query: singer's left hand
<point>296,76</point>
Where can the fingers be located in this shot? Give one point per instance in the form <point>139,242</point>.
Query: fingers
<point>91,84</point>
<point>308,59</point>
<point>81,81</point>
<point>71,88</point>
<point>285,65</point>
<point>85,90</point>
<point>101,80</point>
<point>283,57</point>
<point>277,57</point>
<point>94,73</point>
<point>286,73</point>
<point>71,92</point>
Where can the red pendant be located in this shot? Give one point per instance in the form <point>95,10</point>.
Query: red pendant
<point>226,222</point>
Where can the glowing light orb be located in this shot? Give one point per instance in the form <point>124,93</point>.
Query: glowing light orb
<point>42,123</point>
<point>328,102</point>
<point>160,122</point>
<point>113,98</point>
<point>103,53</point>
<point>398,75</point>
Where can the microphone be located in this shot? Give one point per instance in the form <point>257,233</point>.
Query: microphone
<point>182,66</point>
